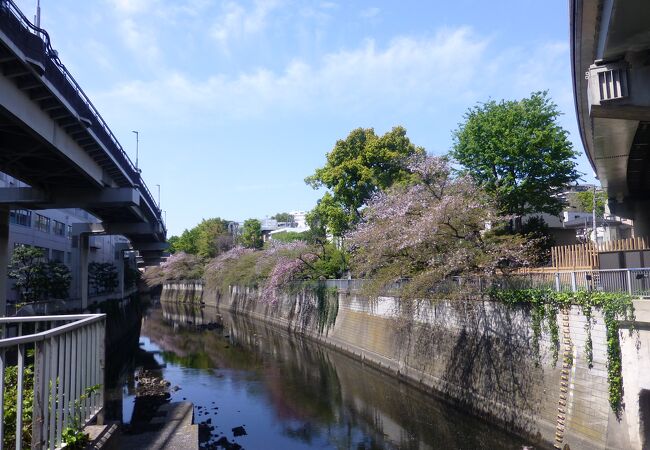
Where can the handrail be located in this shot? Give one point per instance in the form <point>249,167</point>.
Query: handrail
<point>57,318</point>
<point>38,337</point>
<point>67,376</point>
<point>118,151</point>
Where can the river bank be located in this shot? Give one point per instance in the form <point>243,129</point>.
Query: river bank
<point>477,355</point>
<point>289,392</point>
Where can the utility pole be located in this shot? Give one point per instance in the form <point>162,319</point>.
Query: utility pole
<point>37,18</point>
<point>137,145</point>
<point>593,215</point>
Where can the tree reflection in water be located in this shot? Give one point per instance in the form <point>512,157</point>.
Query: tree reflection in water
<point>292,393</point>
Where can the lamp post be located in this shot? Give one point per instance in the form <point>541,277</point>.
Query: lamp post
<point>158,186</point>
<point>37,18</point>
<point>593,214</point>
<point>137,145</point>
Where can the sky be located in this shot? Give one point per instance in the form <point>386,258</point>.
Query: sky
<point>236,102</point>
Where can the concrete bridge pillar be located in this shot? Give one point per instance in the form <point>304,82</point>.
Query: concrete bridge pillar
<point>4,257</point>
<point>84,249</point>
<point>639,211</point>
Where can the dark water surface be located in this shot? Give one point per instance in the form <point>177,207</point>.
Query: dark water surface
<point>289,393</point>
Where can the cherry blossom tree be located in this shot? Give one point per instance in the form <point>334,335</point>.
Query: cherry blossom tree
<point>179,266</point>
<point>430,230</point>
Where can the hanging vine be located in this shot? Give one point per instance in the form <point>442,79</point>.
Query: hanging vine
<point>545,304</point>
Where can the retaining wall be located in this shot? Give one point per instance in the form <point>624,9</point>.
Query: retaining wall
<point>478,354</point>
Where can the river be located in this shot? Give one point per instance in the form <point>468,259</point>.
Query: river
<point>290,393</point>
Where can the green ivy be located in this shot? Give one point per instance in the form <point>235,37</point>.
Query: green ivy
<point>589,347</point>
<point>554,330</point>
<point>10,411</point>
<point>546,304</point>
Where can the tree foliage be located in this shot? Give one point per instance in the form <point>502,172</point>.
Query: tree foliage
<point>518,153</point>
<point>251,236</point>
<point>36,278</point>
<point>179,266</point>
<point>357,168</point>
<point>585,201</point>
<point>430,230</point>
<point>283,217</point>
<point>291,236</point>
<point>185,243</point>
<point>102,277</point>
<point>275,267</point>
<point>10,401</point>
<point>330,216</point>
<point>207,239</point>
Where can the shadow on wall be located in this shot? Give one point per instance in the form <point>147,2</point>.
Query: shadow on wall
<point>644,413</point>
<point>489,355</point>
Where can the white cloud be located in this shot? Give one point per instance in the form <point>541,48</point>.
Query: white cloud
<point>329,5</point>
<point>436,77</point>
<point>141,40</point>
<point>407,71</point>
<point>370,13</point>
<point>236,22</point>
<point>133,6</point>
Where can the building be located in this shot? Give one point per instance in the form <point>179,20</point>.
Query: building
<point>51,231</point>
<point>298,225</point>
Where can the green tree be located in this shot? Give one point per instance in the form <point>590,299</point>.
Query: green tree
<point>251,235</point>
<point>329,215</point>
<point>212,237</point>
<point>187,242</point>
<point>58,279</point>
<point>36,278</point>
<point>358,167</point>
<point>585,201</point>
<point>102,277</point>
<point>518,153</point>
<point>207,239</point>
<point>283,217</point>
<point>173,243</point>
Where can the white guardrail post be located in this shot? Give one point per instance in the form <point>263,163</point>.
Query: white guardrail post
<point>574,284</point>
<point>628,274</point>
<point>68,374</point>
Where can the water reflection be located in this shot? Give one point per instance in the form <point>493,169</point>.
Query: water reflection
<point>289,393</point>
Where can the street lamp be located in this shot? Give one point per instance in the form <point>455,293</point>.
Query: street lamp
<point>137,145</point>
<point>158,195</point>
<point>37,18</point>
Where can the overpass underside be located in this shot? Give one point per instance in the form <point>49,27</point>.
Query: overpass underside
<point>53,139</point>
<point>611,71</point>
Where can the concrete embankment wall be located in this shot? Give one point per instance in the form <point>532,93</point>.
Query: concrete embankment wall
<point>478,354</point>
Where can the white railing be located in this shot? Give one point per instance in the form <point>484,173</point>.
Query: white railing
<point>635,282</point>
<point>67,377</point>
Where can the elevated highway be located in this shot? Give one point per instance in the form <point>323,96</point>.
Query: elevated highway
<point>610,53</point>
<point>54,139</point>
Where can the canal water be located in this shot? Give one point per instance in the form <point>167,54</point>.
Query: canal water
<point>286,392</point>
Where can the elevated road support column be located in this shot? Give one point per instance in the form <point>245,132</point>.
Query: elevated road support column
<point>4,257</point>
<point>84,249</point>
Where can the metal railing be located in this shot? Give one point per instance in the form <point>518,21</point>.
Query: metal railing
<point>635,282</point>
<point>67,356</point>
<point>35,44</point>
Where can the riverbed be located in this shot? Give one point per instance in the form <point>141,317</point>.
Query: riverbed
<point>257,387</point>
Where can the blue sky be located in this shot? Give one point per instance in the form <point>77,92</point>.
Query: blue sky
<point>237,102</point>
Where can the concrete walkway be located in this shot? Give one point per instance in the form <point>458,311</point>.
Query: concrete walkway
<point>177,430</point>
